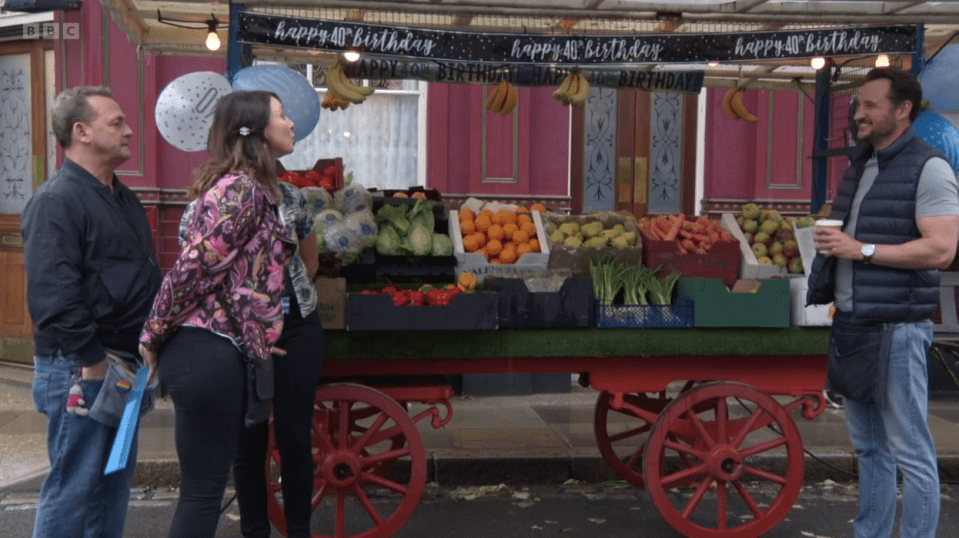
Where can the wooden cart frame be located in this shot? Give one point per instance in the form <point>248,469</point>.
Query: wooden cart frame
<point>712,439</point>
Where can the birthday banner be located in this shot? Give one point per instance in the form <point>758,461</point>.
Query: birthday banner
<point>569,49</point>
<point>523,75</point>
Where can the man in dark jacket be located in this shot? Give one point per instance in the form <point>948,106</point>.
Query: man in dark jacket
<point>91,278</point>
<point>900,211</point>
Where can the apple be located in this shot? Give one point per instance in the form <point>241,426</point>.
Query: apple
<point>759,250</point>
<point>762,237</point>
<point>772,214</point>
<point>765,260</point>
<point>749,238</point>
<point>751,211</point>
<point>795,266</point>
<point>775,248</point>
<point>782,234</point>
<point>790,248</point>
<point>780,260</point>
<point>750,225</point>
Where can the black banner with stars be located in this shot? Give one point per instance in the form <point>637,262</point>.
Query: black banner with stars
<point>377,39</point>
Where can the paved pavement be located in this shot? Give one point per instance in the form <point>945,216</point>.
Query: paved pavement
<point>490,440</point>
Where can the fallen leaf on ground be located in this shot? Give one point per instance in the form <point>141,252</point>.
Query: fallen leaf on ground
<point>596,520</point>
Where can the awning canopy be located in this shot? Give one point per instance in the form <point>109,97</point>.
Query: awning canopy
<point>139,19</point>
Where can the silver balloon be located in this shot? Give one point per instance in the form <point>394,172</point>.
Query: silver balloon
<point>184,109</point>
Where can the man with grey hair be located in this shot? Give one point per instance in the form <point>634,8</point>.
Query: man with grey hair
<point>91,278</point>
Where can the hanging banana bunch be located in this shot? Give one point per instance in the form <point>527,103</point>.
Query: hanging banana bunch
<point>502,99</point>
<point>331,102</point>
<point>574,90</point>
<point>344,90</point>
<point>734,107</point>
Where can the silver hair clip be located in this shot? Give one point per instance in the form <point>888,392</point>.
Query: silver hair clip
<point>244,131</point>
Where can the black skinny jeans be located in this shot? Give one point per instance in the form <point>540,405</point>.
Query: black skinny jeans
<point>296,376</point>
<point>205,375</point>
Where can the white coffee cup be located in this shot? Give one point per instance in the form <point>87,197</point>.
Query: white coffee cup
<point>828,223</point>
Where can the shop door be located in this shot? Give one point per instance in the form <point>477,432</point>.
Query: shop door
<point>655,152</point>
<point>25,69</point>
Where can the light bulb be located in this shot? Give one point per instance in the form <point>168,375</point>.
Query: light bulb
<point>351,56</point>
<point>212,40</point>
<point>817,63</point>
<point>882,60</point>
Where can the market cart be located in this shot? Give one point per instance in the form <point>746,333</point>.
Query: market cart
<point>723,439</point>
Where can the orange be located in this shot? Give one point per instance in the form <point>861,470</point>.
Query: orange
<point>510,229</point>
<point>482,223</point>
<point>496,232</point>
<point>400,194</point>
<point>494,247</point>
<point>538,207</point>
<point>470,243</point>
<point>508,256</point>
<point>523,219</point>
<point>504,216</point>
<point>522,249</point>
<point>522,209</point>
<point>520,237</point>
<point>466,213</point>
<point>529,228</point>
<point>467,227</point>
<point>487,213</point>
<point>533,245</point>
<point>480,238</point>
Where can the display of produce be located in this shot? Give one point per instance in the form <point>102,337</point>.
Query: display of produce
<point>410,230</point>
<point>771,237</point>
<point>502,236</point>
<point>590,232</point>
<point>696,236</point>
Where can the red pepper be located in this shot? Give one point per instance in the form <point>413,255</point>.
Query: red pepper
<point>369,292</point>
<point>329,171</point>
<point>439,297</point>
<point>389,289</point>
<point>400,299</point>
<point>417,298</point>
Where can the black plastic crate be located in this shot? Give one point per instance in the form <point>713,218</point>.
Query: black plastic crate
<point>519,308</point>
<point>375,267</point>
<point>678,315</point>
<point>376,312</point>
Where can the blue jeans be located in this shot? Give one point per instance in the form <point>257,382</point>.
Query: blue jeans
<point>898,437</point>
<point>77,500</point>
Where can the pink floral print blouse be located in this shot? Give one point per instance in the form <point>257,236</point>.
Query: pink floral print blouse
<point>228,278</point>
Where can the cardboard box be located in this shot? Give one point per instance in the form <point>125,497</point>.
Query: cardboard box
<point>577,259</point>
<point>519,308</point>
<point>467,311</point>
<point>749,267</point>
<point>331,302</point>
<point>722,260</point>
<point>750,303</point>
<point>531,263</point>
<point>802,315</point>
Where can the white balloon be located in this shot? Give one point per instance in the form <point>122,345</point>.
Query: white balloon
<point>184,109</point>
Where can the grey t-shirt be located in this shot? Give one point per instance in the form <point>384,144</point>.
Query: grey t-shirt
<point>936,196</point>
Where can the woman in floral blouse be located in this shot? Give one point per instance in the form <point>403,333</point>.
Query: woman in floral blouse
<point>219,305</point>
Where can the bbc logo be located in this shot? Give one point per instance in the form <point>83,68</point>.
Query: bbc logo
<point>51,30</point>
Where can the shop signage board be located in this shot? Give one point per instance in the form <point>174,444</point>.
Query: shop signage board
<point>571,49</point>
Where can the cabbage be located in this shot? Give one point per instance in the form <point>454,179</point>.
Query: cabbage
<point>353,197</point>
<point>364,224</point>
<point>394,215</point>
<point>422,215</point>
<point>442,245</point>
<point>342,240</point>
<point>388,241</point>
<point>327,218</point>
<point>421,240</point>
<point>317,198</point>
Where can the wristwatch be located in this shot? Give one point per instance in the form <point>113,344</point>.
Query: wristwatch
<point>868,251</point>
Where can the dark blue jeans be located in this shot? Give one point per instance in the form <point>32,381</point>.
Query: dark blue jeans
<point>296,377</point>
<point>76,500</point>
<point>206,378</point>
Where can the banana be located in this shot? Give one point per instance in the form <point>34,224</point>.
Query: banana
<point>562,94</point>
<point>365,91</point>
<point>727,102</point>
<point>493,98</point>
<point>582,91</point>
<point>736,103</point>
<point>509,102</point>
<point>335,83</point>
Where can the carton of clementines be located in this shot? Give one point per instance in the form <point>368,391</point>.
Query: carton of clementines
<point>529,253</point>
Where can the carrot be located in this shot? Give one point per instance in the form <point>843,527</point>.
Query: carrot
<point>663,223</point>
<point>695,237</point>
<point>674,229</point>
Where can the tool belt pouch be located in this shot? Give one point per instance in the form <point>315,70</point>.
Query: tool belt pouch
<point>859,361</point>
<point>117,385</point>
<point>259,392</point>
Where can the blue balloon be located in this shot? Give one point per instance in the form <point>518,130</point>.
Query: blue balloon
<point>940,80</point>
<point>941,133</point>
<point>300,101</point>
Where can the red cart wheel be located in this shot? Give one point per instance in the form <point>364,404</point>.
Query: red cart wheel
<point>727,422</point>
<point>621,433</point>
<point>366,450</point>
